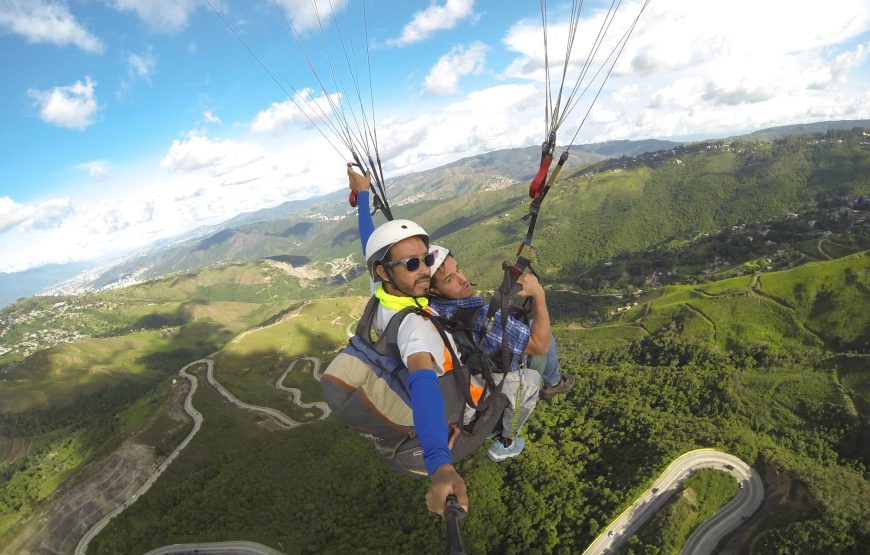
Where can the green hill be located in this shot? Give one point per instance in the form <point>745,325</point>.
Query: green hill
<point>819,304</point>
<point>633,205</point>
<point>831,297</point>
<point>588,455</point>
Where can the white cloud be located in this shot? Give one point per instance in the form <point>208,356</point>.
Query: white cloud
<point>167,16</point>
<point>11,213</point>
<point>306,14</point>
<point>45,214</point>
<point>151,204</point>
<point>848,61</point>
<point>470,126</point>
<point>682,34</point>
<point>219,156</point>
<point>444,76</point>
<point>40,21</point>
<point>693,67</point>
<point>211,118</point>
<point>140,66</point>
<point>434,18</point>
<point>526,39</point>
<point>98,170</point>
<point>48,214</point>
<point>280,115</point>
<point>73,106</point>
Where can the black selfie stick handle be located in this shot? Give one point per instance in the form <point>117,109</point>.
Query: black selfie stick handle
<point>454,513</point>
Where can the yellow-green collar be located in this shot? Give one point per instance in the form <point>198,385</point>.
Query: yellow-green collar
<point>392,302</point>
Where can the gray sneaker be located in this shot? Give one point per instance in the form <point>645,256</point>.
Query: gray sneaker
<point>564,386</point>
<point>497,452</point>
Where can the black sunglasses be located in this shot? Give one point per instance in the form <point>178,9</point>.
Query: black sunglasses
<point>412,263</point>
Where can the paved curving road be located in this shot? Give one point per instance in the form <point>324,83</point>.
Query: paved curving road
<point>748,500</point>
<point>284,420</point>
<point>296,394</point>
<point>707,536</point>
<point>223,548</point>
<point>82,547</point>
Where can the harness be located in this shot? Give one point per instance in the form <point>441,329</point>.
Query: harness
<point>462,329</point>
<point>366,387</point>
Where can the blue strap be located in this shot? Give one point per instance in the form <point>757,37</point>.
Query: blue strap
<point>364,219</point>
<point>430,423</point>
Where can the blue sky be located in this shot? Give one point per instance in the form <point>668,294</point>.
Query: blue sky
<point>128,121</point>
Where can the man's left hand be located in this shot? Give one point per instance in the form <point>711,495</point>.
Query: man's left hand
<point>358,182</point>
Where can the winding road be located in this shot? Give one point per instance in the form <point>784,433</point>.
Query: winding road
<point>296,395</point>
<point>82,547</point>
<point>281,418</point>
<point>221,548</point>
<point>705,538</point>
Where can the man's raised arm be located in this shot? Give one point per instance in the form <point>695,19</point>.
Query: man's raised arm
<point>360,184</point>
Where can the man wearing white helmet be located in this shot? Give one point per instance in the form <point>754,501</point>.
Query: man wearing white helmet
<point>450,291</point>
<point>397,257</point>
<point>520,388</point>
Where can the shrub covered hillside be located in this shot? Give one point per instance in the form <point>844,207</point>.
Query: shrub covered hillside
<point>634,204</point>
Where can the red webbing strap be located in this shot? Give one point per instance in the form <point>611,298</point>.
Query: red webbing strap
<point>541,176</point>
<point>535,206</point>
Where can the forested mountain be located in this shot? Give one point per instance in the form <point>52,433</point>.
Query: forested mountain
<point>712,294</point>
<point>774,133</point>
<point>655,201</point>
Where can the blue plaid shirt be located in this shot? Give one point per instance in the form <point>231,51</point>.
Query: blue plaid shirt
<point>518,333</point>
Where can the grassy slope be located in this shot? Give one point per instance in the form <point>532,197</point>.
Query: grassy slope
<point>185,312</point>
<point>66,396</point>
<point>249,365</point>
<point>831,297</point>
<point>776,406</point>
<point>218,467</point>
<point>587,456</point>
<point>800,306</point>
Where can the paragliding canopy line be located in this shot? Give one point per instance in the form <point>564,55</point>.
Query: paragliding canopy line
<point>557,111</point>
<point>345,118</point>
<point>595,71</point>
<point>339,113</point>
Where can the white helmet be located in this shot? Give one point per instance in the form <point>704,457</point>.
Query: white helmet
<point>440,256</point>
<point>385,236</point>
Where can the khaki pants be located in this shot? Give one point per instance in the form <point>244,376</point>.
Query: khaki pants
<point>521,388</point>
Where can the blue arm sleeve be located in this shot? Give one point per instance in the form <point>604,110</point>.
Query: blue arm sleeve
<point>429,420</point>
<point>364,219</point>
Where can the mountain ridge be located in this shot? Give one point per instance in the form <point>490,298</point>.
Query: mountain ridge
<point>494,170</point>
